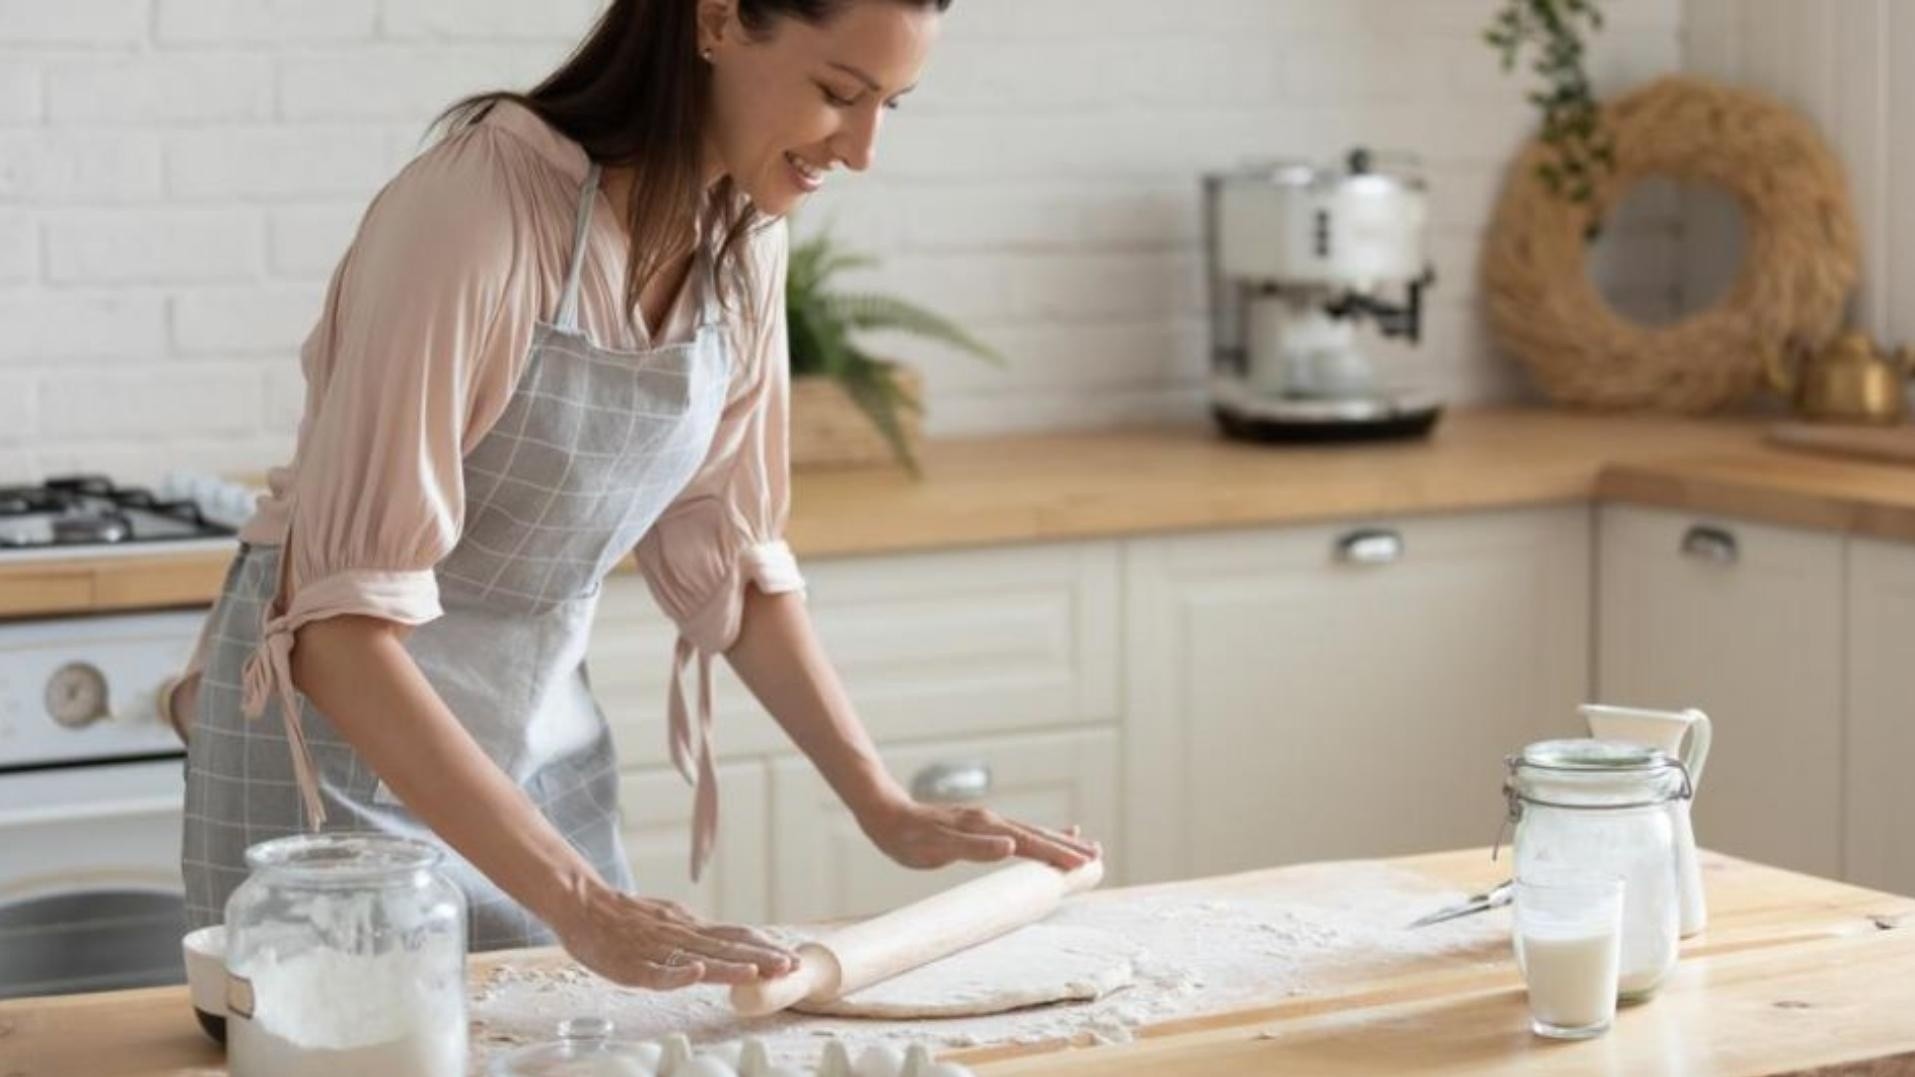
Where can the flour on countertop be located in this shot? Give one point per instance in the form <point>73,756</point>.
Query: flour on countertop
<point>1036,965</point>
<point>1193,955</point>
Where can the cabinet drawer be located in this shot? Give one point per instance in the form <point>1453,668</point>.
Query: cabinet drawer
<point>655,821</point>
<point>930,646</point>
<point>825,867</point>
<point>1344,690</point>
<point>1745,621</point>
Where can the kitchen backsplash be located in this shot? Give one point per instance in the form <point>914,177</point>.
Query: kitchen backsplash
<point>178,178</point>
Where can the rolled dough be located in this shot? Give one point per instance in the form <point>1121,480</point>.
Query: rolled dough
<point>1032,966</point>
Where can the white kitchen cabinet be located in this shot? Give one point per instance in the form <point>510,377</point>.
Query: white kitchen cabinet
<point>930,646</point>
<point>825,867</point>
<point>1880,834</point>
<point>1343,690</point>
<point>655,820</point>
<point>1745,621</point>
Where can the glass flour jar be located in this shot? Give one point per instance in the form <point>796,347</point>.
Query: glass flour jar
<point>345,954</point>
<point>1602,806</point>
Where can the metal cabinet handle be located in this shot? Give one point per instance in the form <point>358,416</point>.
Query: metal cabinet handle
<point>1711,544</point>
<point>951,783</point>
<point>1370,546</point>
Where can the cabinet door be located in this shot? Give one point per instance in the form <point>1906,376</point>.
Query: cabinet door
<point>1881,715</point>
<point>1744,621</point>
<point>1347,690</point>
<point>655,814</point>
<point>931,646</point>
<point>826,868</point>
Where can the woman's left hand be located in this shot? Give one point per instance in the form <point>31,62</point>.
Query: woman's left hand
<point>933,835</point>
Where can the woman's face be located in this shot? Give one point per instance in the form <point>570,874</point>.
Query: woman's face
<point>792,106</point>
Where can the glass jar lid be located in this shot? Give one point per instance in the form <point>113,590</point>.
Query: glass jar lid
<point>1588,773</point>
<point>343,858</point>
<point>584,1046</point>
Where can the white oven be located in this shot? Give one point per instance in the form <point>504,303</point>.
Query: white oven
<point>91,789</point>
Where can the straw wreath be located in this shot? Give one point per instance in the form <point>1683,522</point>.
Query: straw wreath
<point>1799,264</point>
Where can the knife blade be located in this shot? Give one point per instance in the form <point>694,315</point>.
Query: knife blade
<point>1494,898</point>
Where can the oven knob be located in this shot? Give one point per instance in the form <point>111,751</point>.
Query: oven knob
<point>76,695</point>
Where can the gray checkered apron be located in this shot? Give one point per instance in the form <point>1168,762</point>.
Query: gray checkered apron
<point>590,451</point>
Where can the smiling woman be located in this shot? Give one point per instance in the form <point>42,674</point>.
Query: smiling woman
<point>557,341</point>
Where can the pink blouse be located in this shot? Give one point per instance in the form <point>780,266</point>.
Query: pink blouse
<point>425,331</point>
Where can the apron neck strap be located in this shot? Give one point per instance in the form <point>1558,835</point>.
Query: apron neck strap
<point>568,299</point>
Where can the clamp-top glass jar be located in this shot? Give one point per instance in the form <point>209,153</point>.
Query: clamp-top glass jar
<point>1601,806</point>
<point>345,953</point>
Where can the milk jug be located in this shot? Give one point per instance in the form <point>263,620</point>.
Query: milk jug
<point>1667,731</point>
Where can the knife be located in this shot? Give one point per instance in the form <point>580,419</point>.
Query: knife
<point>1494,898</point>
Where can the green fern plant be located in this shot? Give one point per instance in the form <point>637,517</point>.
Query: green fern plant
<point>1572,121</point>
<point>823,323</point>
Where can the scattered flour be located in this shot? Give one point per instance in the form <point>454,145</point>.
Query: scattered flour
<point>1192,956</point>
<point>1033,966</point>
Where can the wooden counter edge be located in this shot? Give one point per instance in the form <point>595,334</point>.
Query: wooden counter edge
<point>980,494</point>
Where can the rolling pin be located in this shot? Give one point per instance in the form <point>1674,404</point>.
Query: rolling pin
<point>877,949</point>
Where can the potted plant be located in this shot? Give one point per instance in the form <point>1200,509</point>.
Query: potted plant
<point>848,406</point>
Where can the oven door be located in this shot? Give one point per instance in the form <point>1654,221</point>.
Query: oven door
<point>90,890</point>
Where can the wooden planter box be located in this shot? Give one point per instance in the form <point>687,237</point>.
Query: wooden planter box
<point>828,430</point>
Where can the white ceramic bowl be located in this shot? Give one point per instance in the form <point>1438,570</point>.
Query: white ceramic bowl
<point>205,952</point>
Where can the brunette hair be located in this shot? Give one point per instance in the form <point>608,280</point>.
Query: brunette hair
<point>635,93</point>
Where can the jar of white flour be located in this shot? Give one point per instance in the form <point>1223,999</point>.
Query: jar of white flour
<point>345,954</point>
<point>1602,807</point>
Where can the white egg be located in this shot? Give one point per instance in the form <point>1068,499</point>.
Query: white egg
<point>705,1066</point>
<point>753,1059</point>
<point>677,1052</point>
<point>836,1061</point>
<point>880,1060</point>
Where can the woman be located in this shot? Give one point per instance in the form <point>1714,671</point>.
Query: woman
<point>557,338</point>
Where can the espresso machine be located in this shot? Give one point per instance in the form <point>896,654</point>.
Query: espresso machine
<point>1298,257</point>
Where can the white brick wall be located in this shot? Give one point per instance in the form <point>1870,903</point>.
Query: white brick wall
<point>179,177</point>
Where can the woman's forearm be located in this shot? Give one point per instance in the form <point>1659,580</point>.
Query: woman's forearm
<point>779,657</point>
<point>357,672</point>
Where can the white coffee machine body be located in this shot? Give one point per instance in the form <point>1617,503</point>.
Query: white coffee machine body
<point>1297,256</point>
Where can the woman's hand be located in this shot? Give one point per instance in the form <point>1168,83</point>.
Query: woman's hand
<point>933,835</point>
<point>640,942</point>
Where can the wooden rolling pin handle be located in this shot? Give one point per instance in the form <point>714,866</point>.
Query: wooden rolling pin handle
<point>817,973</point>
<point>1084,878</point>
<point>862,954</point>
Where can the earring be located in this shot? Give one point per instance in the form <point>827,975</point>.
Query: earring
<point>705,54</point>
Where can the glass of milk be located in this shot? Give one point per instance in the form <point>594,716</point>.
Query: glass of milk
<point>1568,938</point>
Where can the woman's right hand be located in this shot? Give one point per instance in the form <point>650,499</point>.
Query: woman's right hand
<point>643,942</point>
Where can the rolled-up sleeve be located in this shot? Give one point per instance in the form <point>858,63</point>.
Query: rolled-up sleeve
<point>413,360</point>
<point>725,531</point>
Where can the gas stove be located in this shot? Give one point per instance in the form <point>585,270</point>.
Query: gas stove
<point>85,515</point>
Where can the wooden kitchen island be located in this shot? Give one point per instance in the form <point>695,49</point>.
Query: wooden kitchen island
<point>1796,975</point>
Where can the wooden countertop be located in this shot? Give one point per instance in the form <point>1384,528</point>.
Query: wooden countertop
<point>1037,488</point>
<point>1796,975</point>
